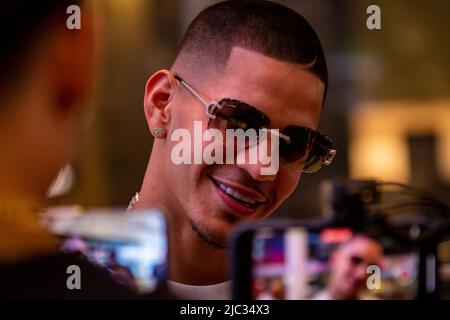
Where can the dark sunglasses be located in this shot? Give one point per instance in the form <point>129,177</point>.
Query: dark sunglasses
<point>356,260</point>
<point>300,147</point>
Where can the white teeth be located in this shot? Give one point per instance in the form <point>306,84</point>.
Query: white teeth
<point>242,198</point>
<point>236,194</point>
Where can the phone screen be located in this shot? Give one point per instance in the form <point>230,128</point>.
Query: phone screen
<point>330,264</point>
<point>132,248</point>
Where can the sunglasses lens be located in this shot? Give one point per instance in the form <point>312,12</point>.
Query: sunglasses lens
<point>356,260</point>
<point>294,151</point>
<point>235,115</point>
<point>319,151</point>
<point>306,148</point>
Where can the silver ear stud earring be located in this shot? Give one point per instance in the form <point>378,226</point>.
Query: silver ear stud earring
<point>159,133</point>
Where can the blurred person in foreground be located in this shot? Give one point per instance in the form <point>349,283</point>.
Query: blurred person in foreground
<point>348,269</point>
<point>46,73</point>
<point>264,65</point>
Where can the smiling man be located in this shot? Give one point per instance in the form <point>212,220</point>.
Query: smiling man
<point>242,65</point>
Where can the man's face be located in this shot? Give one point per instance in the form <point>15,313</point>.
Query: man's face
<point>287,94</point>
<point>350,262</point>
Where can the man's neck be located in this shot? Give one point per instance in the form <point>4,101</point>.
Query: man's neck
<point>17,181</point>
<point>23,173</point>
<point>192,261</point>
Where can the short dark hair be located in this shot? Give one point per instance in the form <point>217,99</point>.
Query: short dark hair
<point>21,23</point>
<point>263,26</point>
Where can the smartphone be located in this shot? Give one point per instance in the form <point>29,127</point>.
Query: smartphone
<point>294,260</point>
<point>131,247</point>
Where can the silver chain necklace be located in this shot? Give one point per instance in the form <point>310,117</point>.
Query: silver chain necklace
<point>134,201</point>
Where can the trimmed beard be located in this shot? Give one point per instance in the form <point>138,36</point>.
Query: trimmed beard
<point>206,236</point>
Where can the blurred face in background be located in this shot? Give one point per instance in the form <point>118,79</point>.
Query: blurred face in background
<point>349,266</point>
<point>286,93</point>
<point>42,110</point>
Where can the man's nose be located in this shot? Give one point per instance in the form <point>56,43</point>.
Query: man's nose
<point>256,171</point>
<point>261,160</point>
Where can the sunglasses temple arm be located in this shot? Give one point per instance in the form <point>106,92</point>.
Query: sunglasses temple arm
<point>193,92</point>
<point>329,157</point>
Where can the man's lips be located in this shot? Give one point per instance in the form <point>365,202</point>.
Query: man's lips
<point>243,191</point>
<point>238,198</point>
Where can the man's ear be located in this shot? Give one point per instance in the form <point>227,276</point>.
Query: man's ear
<point>159,90</point>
